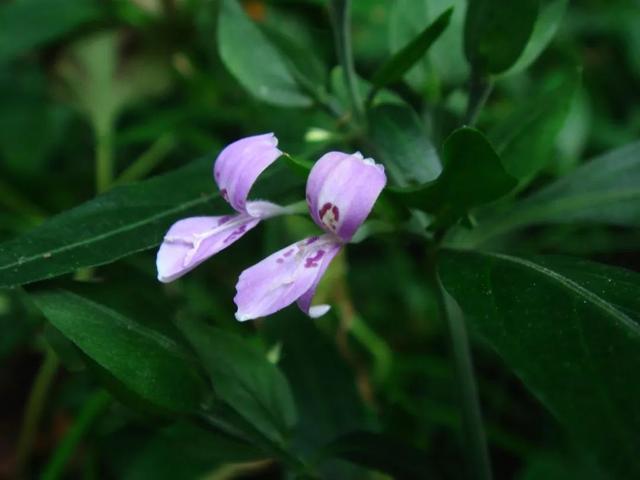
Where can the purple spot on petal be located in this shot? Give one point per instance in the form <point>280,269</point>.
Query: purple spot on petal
<point>280,260</point>
<point>224,194</point>
<point>312,262</point>
<point>224,219</point>
<point>236,233</point>
<point>288,253</point>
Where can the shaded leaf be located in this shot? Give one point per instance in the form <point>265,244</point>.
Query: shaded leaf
<point>473,175</point>
<point>394,69</point>
<point>402,145</point>
<point>445,60</point>
<point>497,32</point>
<point>147,362</point>
<point>547,23</point>
<point>602,191</point>
<point>380,452</point>
<point>186,451</point>
<point>580,357</point>
<point>27,24</point>
<point>242,377</point>
<point>255,62</point>
<point>123,221</point>
<point>525,139</point>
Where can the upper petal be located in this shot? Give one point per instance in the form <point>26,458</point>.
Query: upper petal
<point>282,278</point>
<point>191,241</point>
<point>239,165</point>
<point>341,191</point>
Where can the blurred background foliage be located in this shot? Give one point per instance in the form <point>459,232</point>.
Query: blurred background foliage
<point>96,93</point>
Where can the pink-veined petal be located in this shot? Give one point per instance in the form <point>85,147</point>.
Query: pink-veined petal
<point>304,302</point>
<point>191,241</point>
<point>341,191</point>
<point>239,165</point>
<point>282,278</point>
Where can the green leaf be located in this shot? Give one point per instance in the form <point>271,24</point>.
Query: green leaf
<point>602,191</point>
<point>145,361</point>
<point>183,450</point>
<point>549,17</point>
<point>401,144</point>
<point>254,61</point>
<point>525,139</point>
<point>570,330</point>
<point>444,62</point>
<point>323,386</point>
<point>123,221</point>
<point>497,32</point>
<point>27,24</point>
<point>395,68</point>
<point>242,377</point>
<point>380,452</point>
<point>473,175</point>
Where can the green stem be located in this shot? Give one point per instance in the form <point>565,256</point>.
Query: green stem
<point>104,161</point>
<point>468,390</point>
<point>148,160</point>
<point>91,410</point>
<point>341,13</point>
<point>480,87</point>
<point>33,410</point>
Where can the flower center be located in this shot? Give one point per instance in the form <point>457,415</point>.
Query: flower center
<point>329,215</point>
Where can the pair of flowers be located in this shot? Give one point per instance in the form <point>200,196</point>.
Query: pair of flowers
<point>341,191</point>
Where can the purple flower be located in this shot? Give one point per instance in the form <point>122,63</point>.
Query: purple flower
<point>341,191</point>
<point>190,241</point>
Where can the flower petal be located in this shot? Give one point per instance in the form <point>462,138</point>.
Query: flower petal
<point>239,165</point>
<point>341,191</point>
<point>282,278</point>
<point>191,241</point>
<point>304,302</point>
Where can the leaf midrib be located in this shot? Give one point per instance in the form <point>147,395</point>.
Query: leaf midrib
<point>184,206</point>
<point>623,319</point>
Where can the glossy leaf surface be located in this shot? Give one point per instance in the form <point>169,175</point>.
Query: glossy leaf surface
<point>570,329</point>
<point>145,361</point>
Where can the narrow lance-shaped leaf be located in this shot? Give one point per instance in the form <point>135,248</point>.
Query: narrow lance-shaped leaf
<point>473,175</point>
<point>604,191</point>
<point>242,377</point>
<point>254,61</point>
<point>496,32</point>
<point>393,70</point>
<point>147,362</point>
<point>123,221</point>
<point>570,330</point>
